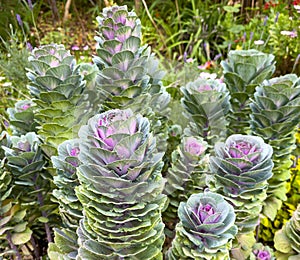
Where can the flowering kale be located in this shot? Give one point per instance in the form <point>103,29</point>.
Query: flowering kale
<point>26,163</point>
<point>275,116</point>
<point>193,147</point>
<point>240,169</point>
<point>21,117</point>
<point>128,71</point>
<point>24,156</point>
<point>206,228</point>
<point>129,74</point>
<point>261,252</point>
<point>243,71</point>
<point>241,163</point>
<point>207,103</point>
<point>66,180</point>
<point>70,209</point>
<point>58,88</point>
<point>186,175</point>
<point>263,255</point>
<point>120,188</point>
<point>13,211</point>
<point>287,239</point>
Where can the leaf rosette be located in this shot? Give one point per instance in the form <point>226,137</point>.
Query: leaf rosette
<point>53,68</point>
<point>129,74</point>
<point>243,71</point>
<point>241,163</point>
<point>21,117</point>
<point>24,156</point>
<point>120,189</point>
<point>246,68</point>
<point>206,228</point>
<point>187,173</point>
<point>241,167</point>
<point>207,103</point>
<point>119,146</point>
<point>275,116</point>
<point>57,88</point>
<point>261,252</point>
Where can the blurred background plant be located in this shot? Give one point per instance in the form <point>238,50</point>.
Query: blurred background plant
<point>275,30</point>
<point>194,31</point>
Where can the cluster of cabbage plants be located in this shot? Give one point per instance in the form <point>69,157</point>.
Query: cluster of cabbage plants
<point>102,161</point>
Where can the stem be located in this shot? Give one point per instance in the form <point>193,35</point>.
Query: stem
<point>24,34</point>
<point>13,246</point>
<point>35,250</point>
<point>44,214</point>
<point>257,231</point>
<point>205,132</point>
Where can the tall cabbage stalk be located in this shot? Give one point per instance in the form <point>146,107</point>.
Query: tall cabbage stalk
<point>206,102</point>
<point>240,170</point>
<point>57,90</point>
<point>286,240</point>
<point>275,116</point>
<point>31,187</point>
<point>65,239</point>
<point>129,75</point>
<point>243,71</point>
<point>205,230</point>
<point>186,175</point>
<point>120,188</point>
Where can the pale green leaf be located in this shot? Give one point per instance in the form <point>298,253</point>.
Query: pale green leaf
<point>282,242</point>
<point>43,219</point>
<point>21,238</point>
<point>20,227</point>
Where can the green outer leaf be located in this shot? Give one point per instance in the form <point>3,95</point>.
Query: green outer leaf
<point>21,238</point>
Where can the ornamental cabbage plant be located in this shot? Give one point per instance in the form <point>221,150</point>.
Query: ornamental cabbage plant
<point>120,188</point>
<point>57,88</point>
<point>205,230</point>
<point>127,69</point>
<point>129,76</point>
<point>241,167</point>
<point>186,175</point>
<point>21,117</point>
<point>243,71</point>
<point>240,170</point>
<point>206,102</point>
<point>286,240</point>
<point>70,209</point>
<point>15,231</point>
<point>261,252</point>
<point>275,116</point>
<point>31,183</point>
<point>66,164</point>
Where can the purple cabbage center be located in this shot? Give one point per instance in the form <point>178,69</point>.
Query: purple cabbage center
<point>263,255</point>
<point>203,214</point>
